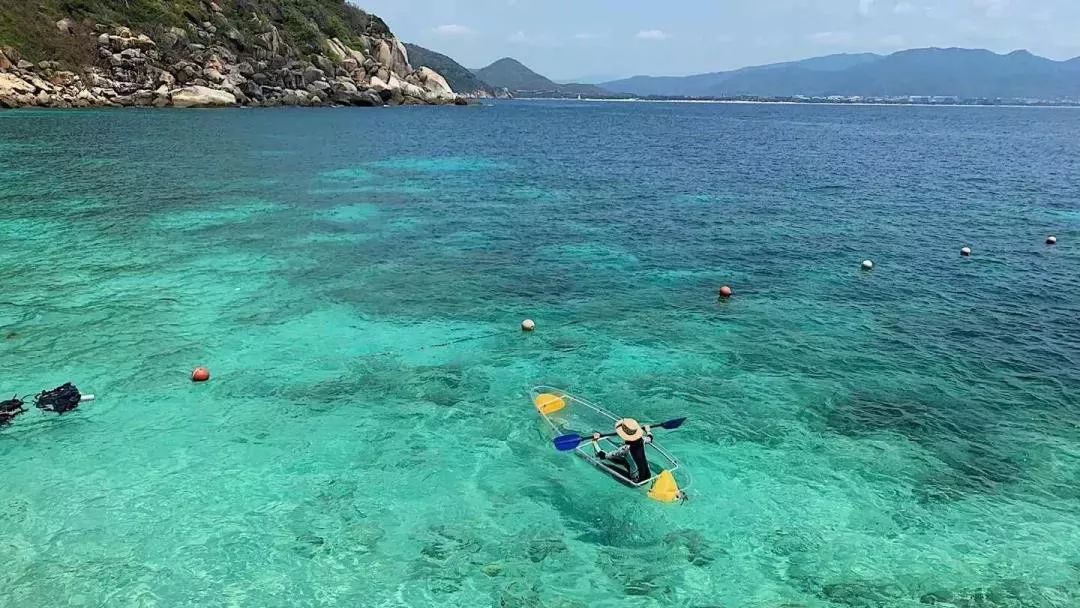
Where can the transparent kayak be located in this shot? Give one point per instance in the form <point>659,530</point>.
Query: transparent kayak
<point>567,414</point>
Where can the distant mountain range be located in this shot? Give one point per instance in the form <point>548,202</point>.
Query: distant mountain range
<point>966,73</point>
<point>934,72</point>
<point>522,82</point>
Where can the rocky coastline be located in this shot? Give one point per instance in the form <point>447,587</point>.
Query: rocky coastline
<point>213,63</point>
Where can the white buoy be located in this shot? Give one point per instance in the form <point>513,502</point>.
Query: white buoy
<point>1051,240</point>
<point>528,325</point>
<point>867,265</point>
<point>966,251</point>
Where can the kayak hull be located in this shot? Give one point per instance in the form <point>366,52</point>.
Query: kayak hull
<point>566,414</point>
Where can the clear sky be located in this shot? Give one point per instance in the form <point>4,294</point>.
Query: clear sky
<point>602,39</point>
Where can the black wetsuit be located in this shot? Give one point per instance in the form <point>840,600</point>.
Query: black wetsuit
<point>637,466</point>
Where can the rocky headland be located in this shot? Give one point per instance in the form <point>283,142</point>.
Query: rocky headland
<point>151,53</point>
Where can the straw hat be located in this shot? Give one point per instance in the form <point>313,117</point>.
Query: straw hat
<point>629,429</point>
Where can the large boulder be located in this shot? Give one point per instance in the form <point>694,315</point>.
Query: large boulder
<point>399,58</point>
<point>12,84</point>
<point>336,49</point>
<point>407,88</point>
<point>213,75</point>
<point>251,90</point>
<point>435,83</point>
<point>368,98</point>
<point>382,53</point>
<point>5,63</point>
<point>312,74</point>
<point>202,97</point>
<point>41,85</point>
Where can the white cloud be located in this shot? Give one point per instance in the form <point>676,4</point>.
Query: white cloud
<point>518,37</point>
<point>905,8</point>
<point>831,38</point>
<point>453,29</point>
<point>993,8</point>
<point>652,35</point>
<point>586,36</point>
<point>865,6</point>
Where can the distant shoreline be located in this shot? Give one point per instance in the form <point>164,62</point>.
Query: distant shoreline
<point>785,102</point>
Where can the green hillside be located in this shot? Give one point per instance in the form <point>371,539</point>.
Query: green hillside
<point>31,27</point>
<point>457,76</point>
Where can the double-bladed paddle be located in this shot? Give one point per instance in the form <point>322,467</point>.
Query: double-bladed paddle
<point>566,443</point>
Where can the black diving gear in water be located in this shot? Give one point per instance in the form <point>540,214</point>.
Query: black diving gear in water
<point>61,399</point>
<point>10,409</point>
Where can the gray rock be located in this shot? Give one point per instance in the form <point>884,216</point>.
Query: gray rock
<point>64,79</point>
<point>325,64</point>
<point>200,97</point>
<point>25,65</point>
<point>12,85</point>
<point>41,85</point>
<point>44,99</point>
<point>293,97</point>
<point>369,98</point>
<point>399,58</point>
<point>185,74</point>
<point>312,74</point>
<point>252,90</point>
<point>344,86</point>
<point>435,83</point>
<point>213,75</point>
<point>382,53</point>
<point>245,69</point>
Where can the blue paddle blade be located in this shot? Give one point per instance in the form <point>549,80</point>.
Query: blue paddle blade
<point>568,443</point>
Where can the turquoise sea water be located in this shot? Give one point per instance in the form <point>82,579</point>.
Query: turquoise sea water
<point>355,281</point>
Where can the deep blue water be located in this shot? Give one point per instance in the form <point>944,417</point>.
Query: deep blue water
<point>355,280</point>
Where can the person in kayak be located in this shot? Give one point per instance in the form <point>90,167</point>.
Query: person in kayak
<point>635,438</point>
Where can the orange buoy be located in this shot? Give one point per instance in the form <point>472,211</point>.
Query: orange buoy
<point>201,374</point>
<point>726,292</point>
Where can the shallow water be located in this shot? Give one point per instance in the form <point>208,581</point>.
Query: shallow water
<point>355,281</point>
